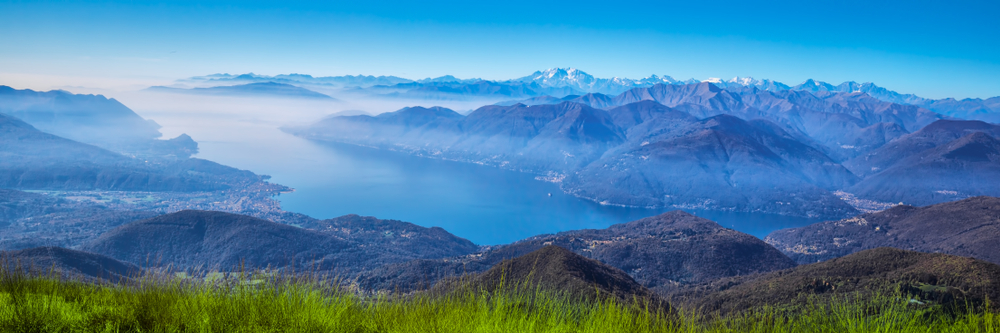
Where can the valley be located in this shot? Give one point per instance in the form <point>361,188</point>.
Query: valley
<point>679,195</point>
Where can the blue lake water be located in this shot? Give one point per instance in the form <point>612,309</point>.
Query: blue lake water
<point>483,204</point>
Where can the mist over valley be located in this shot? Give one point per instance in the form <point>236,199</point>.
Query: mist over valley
<point>683,193</point>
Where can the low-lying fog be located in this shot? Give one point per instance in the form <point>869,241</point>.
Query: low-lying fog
<point>483,204</point>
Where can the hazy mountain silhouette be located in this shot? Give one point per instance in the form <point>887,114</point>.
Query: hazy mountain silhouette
<point>301,79</point>
<point>834,119</point>
<point>92,119</point>
<point>38,160</point>
<point>571,140</point>
<point>561,82</point>
<point>260,89</point>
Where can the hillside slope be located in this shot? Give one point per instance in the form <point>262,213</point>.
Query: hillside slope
<point>931,278</point>
<point>556,270</point>
<point>68,264</point>
<point>659,252</point>
<point>969,227</point>
<point>222,241</point>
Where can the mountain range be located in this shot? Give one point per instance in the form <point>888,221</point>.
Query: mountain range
<point>946,160</point>
<point>93,119</point>
<point>336,81</point>
<point>700,146</point>
<point>561,82</point>
<point>35,160</point>
<point>257,89</point>
<point>667,260</point>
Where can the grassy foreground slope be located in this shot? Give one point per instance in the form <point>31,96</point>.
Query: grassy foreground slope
<point>261,304</point>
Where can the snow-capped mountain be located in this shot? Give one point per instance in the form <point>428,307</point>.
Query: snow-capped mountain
<point>581,81</point>
<point>815,86</point>
<point>560,82</point>
<point>739,82</point>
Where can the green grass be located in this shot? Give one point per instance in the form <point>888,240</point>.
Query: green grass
<point>273,304</point>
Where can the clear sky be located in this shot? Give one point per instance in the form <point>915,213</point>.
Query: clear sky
<point>931,48</point>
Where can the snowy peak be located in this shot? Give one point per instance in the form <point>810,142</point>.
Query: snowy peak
<point>815,86</point>
<point>581,81</point>
<point>654,79</point>
<point>741,82</point>
<point>560,77</point>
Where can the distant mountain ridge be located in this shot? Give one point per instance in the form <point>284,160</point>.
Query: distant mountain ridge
<point>581,81</point>
<point>35,160</point>
<point>561,82</point>
<point>343,81</point>
<point>32,220</point>
<point>261,89</point>
<point>93,119</point>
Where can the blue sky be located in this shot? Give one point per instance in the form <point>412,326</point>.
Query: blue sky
<point>933,49</point>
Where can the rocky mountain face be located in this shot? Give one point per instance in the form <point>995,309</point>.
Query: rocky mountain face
<point>205,240</point>
<point>660,252</point>
<point>930,278</point>
<point>969,227</point>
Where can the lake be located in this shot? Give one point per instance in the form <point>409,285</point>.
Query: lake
<point>482,204</point>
